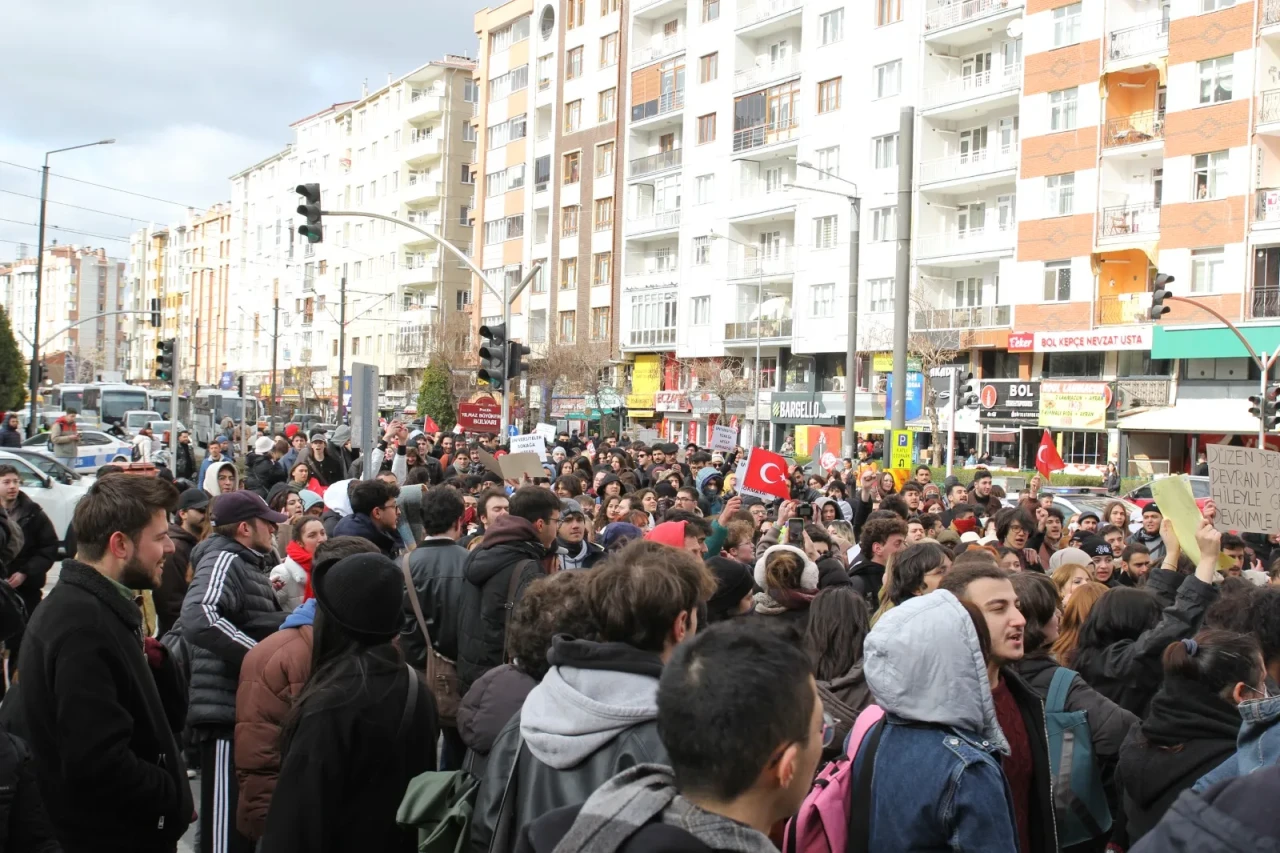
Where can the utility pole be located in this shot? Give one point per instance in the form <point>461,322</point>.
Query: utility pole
<point>275,344</point>
<point>902,271</point>
<point>176,383</point>
<point>852,362</point>
<point>342,344</point>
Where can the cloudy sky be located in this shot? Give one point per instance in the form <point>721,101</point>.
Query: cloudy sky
<point>192,93</point>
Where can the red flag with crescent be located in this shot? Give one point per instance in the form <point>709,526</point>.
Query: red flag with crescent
<point>1047,457</point>
<point>767,472</point>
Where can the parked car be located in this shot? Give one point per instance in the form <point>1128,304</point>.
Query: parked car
<point>95,449</point>
<point>54,495</point>
<point>51,467</point>
<point>1199,490</point>
<point>136,419</point>
<point>1075,499</point>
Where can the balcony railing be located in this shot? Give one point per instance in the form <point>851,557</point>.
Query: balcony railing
<point>769,262</point>
<point>779,130</point>
<point>756,189</point>
<point>1271,13</point>
<point>659,162</point>
<point>651,337</point>
<point>1139,40</point>
<point>1139,392</point>
<point>1133,129</point>
<point>767,327</point>
<point>970,164</point>
<point>1270,109</point>
<point>1123,310</point>
<point>1124,220</point>
<point>657,222</point>
<point>667,102</point>
<point>765,9</point>
<point>992,239</point>
<point>1265,302</point>
<point>1267,207</point>
<point>955,14</point>
<point>995,81</point>
<point>657,49</point>
<point>766,72</point>
<point>971,317</point>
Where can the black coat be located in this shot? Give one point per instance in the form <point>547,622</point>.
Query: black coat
<point>436,567</point>
<point>831,572</point>
<point>39,549</point>
<point>1237,816</point>
<point>349,761</point>
<point>358,524</point>
<point>185,464</point>
<point>262,472</point>
<point>10,437</point>
<point>1044,827</point>
<point>487,708</point>
<point>101,721</point>
<point>867,579</point>
<point>174,579</point>
<point>24,823</point>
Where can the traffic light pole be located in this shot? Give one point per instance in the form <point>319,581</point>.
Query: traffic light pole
<point>174,382</point>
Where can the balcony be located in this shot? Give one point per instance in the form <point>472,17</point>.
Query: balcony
<point>987,84</point>
<point>655,163</point>
<point>754,13</point>
<point>651,337</point>
<point>766,328</point>
<point>767,73</point>
<point>769,263</point>
<point>665,104</point>
<point>770,133</point>
<point>1269,111</point>
<point>418,188</point>
<point>958,14</point>
<point>1139,392</point>
<point>424,103</point>
<point>975,164</point>
<point>1139,40</point>
<point>664,220</point>
<point>1123,310</point>
<point>659,48</point>
<point>969,242</point>
<point>644,274</point>
<point>1267,205</point>
<point>1133,129</point>
<point>1271,13</point>
<point>971,317</point>
<point>1265,303</point>
<point>422,147</point>
<point>1129,220</point>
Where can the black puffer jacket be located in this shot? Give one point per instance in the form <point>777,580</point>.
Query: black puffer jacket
<point>436,566</point>
<point>486,709</point>
<point>174,579</point>
<point>229,607</point>
<point>263,472</point>
<point>510,544</point>
<point>39,549</point>
<point>1238,816</point>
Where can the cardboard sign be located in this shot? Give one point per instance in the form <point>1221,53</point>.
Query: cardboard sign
<point>723,438</point>
<point>534,444</point>
<point>516,466</point>
<point>648,436</point>
<point>547,431</point>
<point>489,462</point>
<point>1245,484</point>
<point>1173,495</point>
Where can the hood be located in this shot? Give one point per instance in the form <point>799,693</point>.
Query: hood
<point>338,499</point>
<point>668,533</point>
<point>609,478</point>
<point>706,474</point>
<point>341,435</point>
<point>177,531</point>
<point>210,484</point>
<point>303,615</point>
<point>508,529</point>
<point>808,578</point>
<point>918,672</point>
<point>593,693</point>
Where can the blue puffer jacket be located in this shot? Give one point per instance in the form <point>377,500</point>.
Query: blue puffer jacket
<point>1238,816</point>
<point>1257,746</point>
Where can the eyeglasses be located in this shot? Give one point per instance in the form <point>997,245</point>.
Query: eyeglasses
<point>828,729</point>
<point>391,507</point>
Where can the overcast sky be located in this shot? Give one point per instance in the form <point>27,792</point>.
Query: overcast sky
<point>191,93</point>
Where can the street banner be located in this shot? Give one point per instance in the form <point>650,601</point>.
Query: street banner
<point>529,444</point>
<point>767,472</point>
<point>1073,405</point>
<point>1245,485</point>
<point>723,438</point>
<point>483,415</point>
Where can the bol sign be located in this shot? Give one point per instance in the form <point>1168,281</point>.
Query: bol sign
<point>988,396</point>
<point>1009,400</point>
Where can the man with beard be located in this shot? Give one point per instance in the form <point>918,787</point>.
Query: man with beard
<point>184,464</point>
<point>229,607</point>
<point>101,702</point>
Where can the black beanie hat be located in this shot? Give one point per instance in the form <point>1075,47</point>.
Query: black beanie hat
<point>363,594</point>
<point>733,581</point>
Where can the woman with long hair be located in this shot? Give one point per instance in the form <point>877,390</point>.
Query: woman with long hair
<point>646,500</point>
<point>886,485</point>
<point>605,512</point>
<point>1074,614</point>
<point>1069,577</point>
<point>838,624</point>
<point>1115,514</point>
<point>363,725</point>
<point>291,580</point>
<point>1111,480</point>
<point>568,486</point>
<point>789,580</point>
<point>300,478</point>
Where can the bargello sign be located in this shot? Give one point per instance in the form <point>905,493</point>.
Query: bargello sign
<point>800,409</point>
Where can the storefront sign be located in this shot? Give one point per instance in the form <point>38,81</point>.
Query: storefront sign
<point>1074,405</point>
<point>882,362</point>
<point>800,409</point>
<point>1123,338</point>
<point>671,401</point>
<point>1009,400</point>
<point>563,407</point>
<point>1245,484</point>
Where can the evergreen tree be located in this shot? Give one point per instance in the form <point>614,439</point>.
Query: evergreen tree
<point>14,371</point>
<point>435,397</point>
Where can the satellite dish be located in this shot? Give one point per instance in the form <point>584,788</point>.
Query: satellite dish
<point>1014,30</point>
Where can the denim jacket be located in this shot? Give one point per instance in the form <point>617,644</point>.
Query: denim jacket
<point>1257,746</point>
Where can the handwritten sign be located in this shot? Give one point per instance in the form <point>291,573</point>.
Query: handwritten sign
<point>1245,485</point>
<point>723,438</point>
<point>530,444</point>
<point>547,431</point>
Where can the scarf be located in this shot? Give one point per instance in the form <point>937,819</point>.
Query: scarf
<point>965,525</point>
<point>1144,537</point>
<point>777,601</point>
<point>1184,711</point>
<point>300,556</point>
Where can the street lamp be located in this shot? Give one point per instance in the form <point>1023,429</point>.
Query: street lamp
<point>35,332</point>
<point>755,381</point>
<point>851,356</point>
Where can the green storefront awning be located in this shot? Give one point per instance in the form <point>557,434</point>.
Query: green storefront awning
<point>1212,343</point>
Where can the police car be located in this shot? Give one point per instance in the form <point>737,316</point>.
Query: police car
<point>57,495</point>
<point>94,449</point>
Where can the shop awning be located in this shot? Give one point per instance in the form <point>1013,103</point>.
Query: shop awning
<point>1194,416</point>
<point>1216,342</point>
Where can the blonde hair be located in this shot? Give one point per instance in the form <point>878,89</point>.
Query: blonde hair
<point>1063,574</point>
<point>1074,615</point>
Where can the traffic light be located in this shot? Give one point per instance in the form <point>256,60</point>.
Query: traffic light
<point>970,394</point>
<point>1159,293</point>
<point>166,351</point>
<point>515,363</point>
<point>493,356</point>
<point>1264,408</point>
<point>314,229</point>
<point>155,313</point>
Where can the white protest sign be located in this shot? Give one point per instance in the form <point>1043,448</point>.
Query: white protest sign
<point>648,436</point>
<point>529,444</point>
<point>724,438</point>
<point>547,431</point>
<point>1245,485</point>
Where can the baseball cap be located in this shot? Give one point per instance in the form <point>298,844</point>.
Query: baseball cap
<point>193,499</point>
<point>235,507</point>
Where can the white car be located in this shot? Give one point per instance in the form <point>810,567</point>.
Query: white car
<point>136,419</point>
<point>56,496</point>
<point>94,449</point>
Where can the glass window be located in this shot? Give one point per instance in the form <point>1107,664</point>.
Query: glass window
<point>884,224</point>
<point>701,251</point>
<point>569,274</point>
<point>888,78</point>
<point>1066,25</point>
<point>1209,175</point>
<point>572,116</point>
<point>828,162</point>
<point>710,10</point>
<point>880,293</point>
<point>1079,364</point>
<point>700,310</point>
<point>601,269</point>
<point>569,220</point>
<point>568,326</point>
<point>1062,109</point>
<point>1057,281</point>
<point>703,188</point>
<point>573,64</point>
<point>831,26</point>
<point>824,300</point>
<point>608,105</point>
<point>575,13</point>
<point>604,159</point>
<point>1140,363</point>
<point>829,95</point>
<point>609,50</point>
<point>1206,270</point>
<point>824,231</point>
<point>572,167</point>
<point>708,67</point>
<point>885,151</point>
<point>888,12</point>
<point>600,323</point>
<point>1215,79</point>
<point>1059,198</point>
<point>706,129</point>
<point>1214,5</point>
<point>604,214</point>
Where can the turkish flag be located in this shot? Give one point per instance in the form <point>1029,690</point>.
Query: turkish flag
<point>1047,457</point>
<point>430,425</point>
<point>767,472</point>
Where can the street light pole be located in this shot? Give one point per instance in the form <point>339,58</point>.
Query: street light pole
<point>755,398</point>
<point>35,332</point>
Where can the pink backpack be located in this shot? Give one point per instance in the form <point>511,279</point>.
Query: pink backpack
<point>822,824</point>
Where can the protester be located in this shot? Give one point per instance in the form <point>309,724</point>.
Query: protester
<point>375,515</point>
<point>1149,533</point>
<point>1068,577</point>
<point>324,463</point>
<point>1237,816</point>
<point>917,569</point>
<point>735,589</point>
<point>788,578</point>
<point>491,505</point>
<point>186,533</point>
<point>838,625</point>
<point>11,432</point>
<point>26,571</point>
<point>262,465</point>
<point>575,550</point>
<point>881,539</point>
<point>219,478</point>
<point>214,456</point>
<point>980,494</point>
<point>65,437</point>
<point>291,579</point>
<point>1135,565</point>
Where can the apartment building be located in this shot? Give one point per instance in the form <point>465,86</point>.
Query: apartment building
<point>201,303</point>
<point>146,276</point>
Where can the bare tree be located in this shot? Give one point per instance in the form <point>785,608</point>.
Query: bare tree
<point>723,378</point>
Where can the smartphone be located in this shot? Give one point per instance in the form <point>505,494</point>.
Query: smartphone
<point>795,532</point>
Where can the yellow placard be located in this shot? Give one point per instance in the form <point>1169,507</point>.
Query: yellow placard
<point>900,477</point>
<point>1177,503</point>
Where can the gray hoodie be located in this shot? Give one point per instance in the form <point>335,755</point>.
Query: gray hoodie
<point>574,712</point>
<point>919,673</point>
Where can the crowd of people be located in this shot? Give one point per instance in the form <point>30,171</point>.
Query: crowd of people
<point>628,654</point>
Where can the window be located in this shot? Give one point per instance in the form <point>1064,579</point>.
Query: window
<point>569,219</point>
<point>1080,365</point>
<point>506,131</point>
<point>888,78</point>
<point>608,7</point>
<point>572,116</point>
<point>569,274</point>
<point>885,151</point>
<point>1057,281</point>
<point>708,67</point>
<point>710,10</point>
<point>601,323</point>
<point>503,37</point>
<point>504,84</point>
<point>1209,175</point>
<point>539,283</point>
<point>701,251</point>
<point>510,228</point>
<point>572,167</point>
<point>468,177</point>
<point>881,292</point>
<point>704,187</point>
<point>601,269</point>
<point>700,311</point>
<point>653,318</point>
<point>884,224</point>
<point>609,50</point>
<point>575,14</point>
<point>604,214</point>
<point>604,159</point>
<point>1206,270</point>
<point>573,64</point>
<point>1215,79</point>
<point>706,129</point>
<point>510,178</point>
<point>888,12</point>
<point>831,26</point>
<point>568,326</point>
<point>828,162</point>
<point>541,173</point>
<point>1059,194</point>
<point>608,105</point>
<point>824,300</point>
<point>470,94</point>
<point>461,299</point>
<point>1214,5</point>
<point>469,134</point>
<point>829,95</point>
<point>824,231</point>
<point>1066,25</point>
<point>1062,109</point>
<point>545,66</point>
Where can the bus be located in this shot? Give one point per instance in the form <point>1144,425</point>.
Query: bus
<point>161,401</point>
<point>105,403</point>
<point>59,397</point>
<point>211,405</point>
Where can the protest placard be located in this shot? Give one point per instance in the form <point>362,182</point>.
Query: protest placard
<point>516,466</point>
<point>1245,485</point>
<point>547,431</point>
<point>529,444</point>
<point>723,438</point>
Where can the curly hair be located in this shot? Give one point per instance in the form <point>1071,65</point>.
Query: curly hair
<point>551,605</point>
